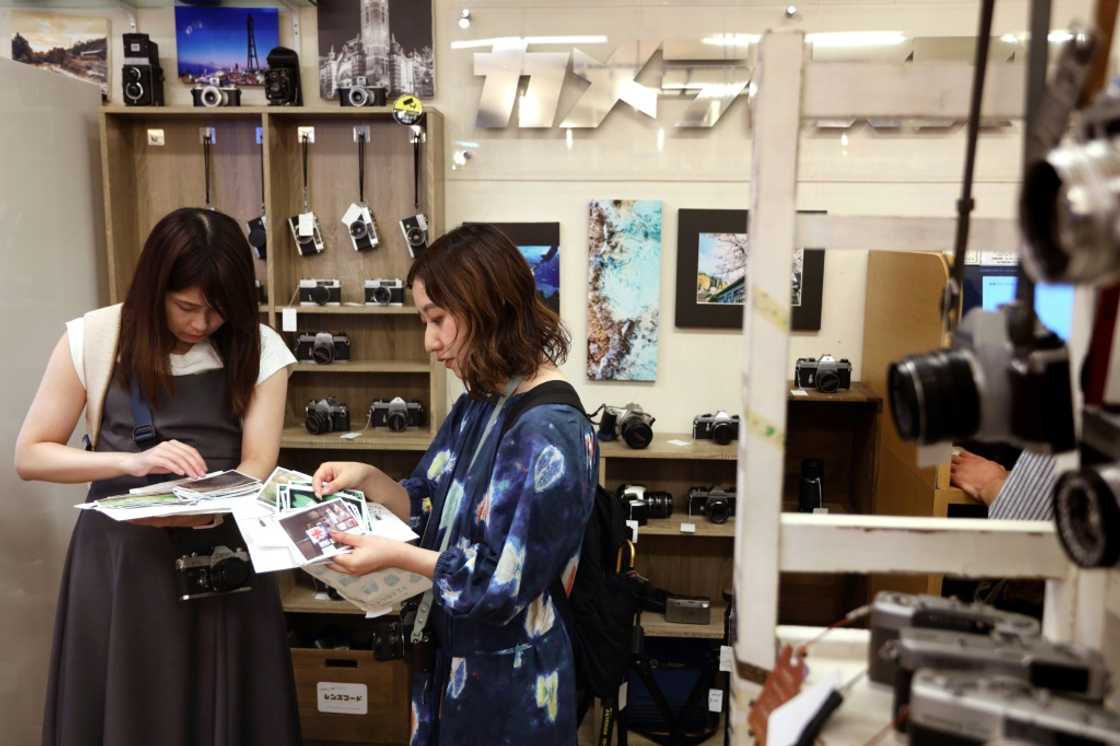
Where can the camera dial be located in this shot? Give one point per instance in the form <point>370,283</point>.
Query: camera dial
<point>1087,515</point>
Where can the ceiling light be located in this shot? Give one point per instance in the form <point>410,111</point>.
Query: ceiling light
<point>465,19</point>
<point>791,10</point>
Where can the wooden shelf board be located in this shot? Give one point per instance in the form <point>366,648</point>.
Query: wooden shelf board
<point>284,111</point>
<point>655,625</point>
<point>354,310</point>
<point>370,440</point>
<point>859,393</point>
<point>671,446</point>
<point>301,599</point>
<point>671,526</point>
<point>362,366</point>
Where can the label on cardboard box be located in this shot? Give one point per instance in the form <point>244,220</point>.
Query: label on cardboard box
<point>344,699</point>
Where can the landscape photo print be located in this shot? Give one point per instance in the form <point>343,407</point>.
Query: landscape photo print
<point>71,45</point>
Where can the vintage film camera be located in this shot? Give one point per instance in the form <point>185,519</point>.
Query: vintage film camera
<point>632,423</point>
<point>643,504</point>
<point>965,708</point>
<point>326,415</point>
<point>414,228</point>
<point>396,414</point>
<point>892,612</point>
<point>1036,661</point>
<point>825,374</point>
<point>360,227</point>
<point>323,348</point>
<point>316,292</point>
<point>1087,514</point>
<point>720,427</point>
<point>215,93</point>
<point>281,79</point>
<point>384,291</point>
<point>307,244</point>
<point>258,237</point>
<point>222,571</point>
<point>141,74</point>
<point>688,610</point>
<point>357,92</point>
<point>392,639</point>
<point>716,503</point>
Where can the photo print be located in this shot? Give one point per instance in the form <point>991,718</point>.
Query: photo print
<point>74,46</point>
<point>721,271</point>
<point>221,41</point>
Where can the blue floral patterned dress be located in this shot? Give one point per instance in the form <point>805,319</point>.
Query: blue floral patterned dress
<point>504,672</point>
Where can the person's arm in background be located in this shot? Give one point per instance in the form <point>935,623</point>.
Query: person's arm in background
<point>263,425</point>
<point>980,478</point>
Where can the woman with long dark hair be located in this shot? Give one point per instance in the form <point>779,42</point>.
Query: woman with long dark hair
<point>502,500</point>
<point>132,663</point>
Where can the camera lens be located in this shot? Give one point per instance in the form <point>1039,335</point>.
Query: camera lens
<point>358,97</point>
<point>828,381</point>
<point>382,296</point>
<point>397,421</point>
<point>320,294</point>
<point>258,236</point>
<point>229,574</point>
<point>718,509</point>
<point>210,96</point>
<point>358,229</point>
<point>322,351</point>
<point>934,397</point>
<point>660,504</point>
<point>724,432</point>
<point>1087,515</point>
<point>317,422</point>
<point>415,237</point>
<point>637,433</point>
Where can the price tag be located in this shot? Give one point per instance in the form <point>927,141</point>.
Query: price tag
<point>820,511</point>
<point>798,392</point>
<point>344,699</point>
<point>350,435</point>
<point>306,224</point>
<point>288,319</point>
<point>688,527</point>
<point>715,700</point>
<point>726,659</point>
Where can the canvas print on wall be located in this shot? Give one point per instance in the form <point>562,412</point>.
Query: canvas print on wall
<point>539,243</point>
<point>75,46</point>
<point>232,42</point>
<point>624,275</point>
<point>388,42</point>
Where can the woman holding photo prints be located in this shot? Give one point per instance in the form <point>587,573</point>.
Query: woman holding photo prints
<point>133,664</point>
<point>511,498</point>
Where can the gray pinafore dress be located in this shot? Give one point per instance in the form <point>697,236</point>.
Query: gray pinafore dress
<point>131,664</point>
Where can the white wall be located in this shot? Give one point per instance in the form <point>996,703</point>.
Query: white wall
<point>52,244</point>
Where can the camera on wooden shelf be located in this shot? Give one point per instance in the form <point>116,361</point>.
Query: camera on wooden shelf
<point>326,415</point>
<point>715,503</point>
<point>643,504</point>
<point>631,423</point>
<point>384,291</point>
<point>141,74</point>
<point>323,348</point>
<point>825,374</point>
<point>357,92</point>
<point>320,292</point>
<point>215,92</point>
<point>720,427</point>
<point>281,79</point>
<point>396,414</point>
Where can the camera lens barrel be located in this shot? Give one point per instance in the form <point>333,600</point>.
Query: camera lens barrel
<point>637,433</point>
<point>934,397</point>
<point>1087,515</point>
<point>724,432</point>
<point>229,574</point>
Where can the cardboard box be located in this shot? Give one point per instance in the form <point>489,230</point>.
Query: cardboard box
<point>347,696</point>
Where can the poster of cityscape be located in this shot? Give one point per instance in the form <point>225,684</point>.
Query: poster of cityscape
<point>231,42</point>
<point>388,42</point>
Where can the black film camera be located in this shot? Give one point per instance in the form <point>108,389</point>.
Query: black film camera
<point>222,571</point>
<point>716,503</point>
<point>631,422</point>
<point>327,415</point>
<point>323,348</point>
<point>392,639</point>
<point>258,237</point>
<point>141,74</point>
<point>892,612</point>
<point>643,504</point>
<point>316,292</point>
<point>1087,514</point>
<point>396,414</point>
<point>215,92</point>
<point>720,427</point>
<point>825,374</point>
<point>384,291</point>
<point>361,228</point>
<point>281,79</point>
<point>414,228</point>
<point>358,92</point>
<point>985,387</point>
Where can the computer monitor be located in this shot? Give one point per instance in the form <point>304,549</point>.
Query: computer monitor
<point>990,286</point>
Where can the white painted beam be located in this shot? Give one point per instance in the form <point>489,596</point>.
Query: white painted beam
<point>876,233</point>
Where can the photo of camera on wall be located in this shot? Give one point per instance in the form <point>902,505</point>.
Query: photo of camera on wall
<point>384,291</point>
<point>314,292</point>
<point>720,427</point>
<point>218,573</point>
<point>396,414</point>
<point>716,503</point>
<point>216,93</point>
<point>281,79</point>
<point>322,348</point>
<point>360,226</point>
<point>415,231</point>
<point>141,74</point>
<point>357,92</point>
<point>643,504</point>
<point>326,415</point>
<point>825,374</point>
<point>631,423</point>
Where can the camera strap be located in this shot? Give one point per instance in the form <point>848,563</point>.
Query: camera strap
<point>206,168</point>
<point>416,136</point>
<point>305,142</point>
<point>143,426</point>
<point>362,168</point>
<point>451,508</point>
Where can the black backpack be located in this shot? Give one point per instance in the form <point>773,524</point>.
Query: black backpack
<point>600,612</point>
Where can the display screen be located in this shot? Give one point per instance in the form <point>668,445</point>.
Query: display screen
<point>991,287</point>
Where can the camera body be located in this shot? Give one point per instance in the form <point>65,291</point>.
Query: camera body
<point>358,92</point>
<point>716,503</point>
<point>141,73</point>
<point>720,427</point>
<point>1087,514</point>
<point>631,422</point>
<point>967,708</point>
<point>320,292</point>
<point>360,227</point>
<point>281,79</point>
<point>323,348</point>
<point>825,374</point>
<point>258,237</point>
<point>262,293</point>
<point>396,414</point>
<point>414,228</point>
<point>216,93</point>
<point>688,610</point>
<point>222,571</point>
<point>891,612</point>
<point>326,415</point>
<point>392,639</point>
<point>307,244</point>
<point>384,291</point>
<point>643,504</point>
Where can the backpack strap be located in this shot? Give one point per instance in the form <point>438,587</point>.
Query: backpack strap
<point>101,332</point>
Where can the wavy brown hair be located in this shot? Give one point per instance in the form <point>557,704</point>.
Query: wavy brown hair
<point>478,275</point>
<point>192,247</point>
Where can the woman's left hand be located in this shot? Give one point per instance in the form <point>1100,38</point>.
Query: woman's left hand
<point>370,553</point>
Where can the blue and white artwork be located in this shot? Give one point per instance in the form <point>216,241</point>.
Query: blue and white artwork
<point>545,262</point>
<point>233,42</point>
<point>624,275</point>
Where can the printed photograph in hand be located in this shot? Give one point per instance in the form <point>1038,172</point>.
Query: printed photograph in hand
<point>310,529</point>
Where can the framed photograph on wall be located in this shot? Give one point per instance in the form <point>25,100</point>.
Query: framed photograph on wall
<point>713,273</point>
<point>76,46</point>
<point>230,42</point>
<point>539,243</point>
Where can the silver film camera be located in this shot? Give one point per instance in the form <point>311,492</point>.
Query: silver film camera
<point>220,572</point>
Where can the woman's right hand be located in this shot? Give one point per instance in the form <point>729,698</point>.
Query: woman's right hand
<point>169,457</point>
<point>333,476</point>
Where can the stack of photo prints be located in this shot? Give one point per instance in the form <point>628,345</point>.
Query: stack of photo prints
<point>214,493</point>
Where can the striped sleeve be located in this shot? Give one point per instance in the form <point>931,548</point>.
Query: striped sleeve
<point>1026,495</point>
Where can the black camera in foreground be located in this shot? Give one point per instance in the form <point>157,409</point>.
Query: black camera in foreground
<point>281,79</point>
<point>631,423</point>
<point>716,503</point>
<point>825,374</point>
<point>358,92</point>
<point>326,415</point>
<point>392,639</point>
<point>222,571</point>
<point>141,74</point>
<point>215,92</point>
<point>323,348</point>
<point>396,414</point>
<point>642,504</point>
<point>720,427</point>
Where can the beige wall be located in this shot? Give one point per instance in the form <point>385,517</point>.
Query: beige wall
<point>52,243</point>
